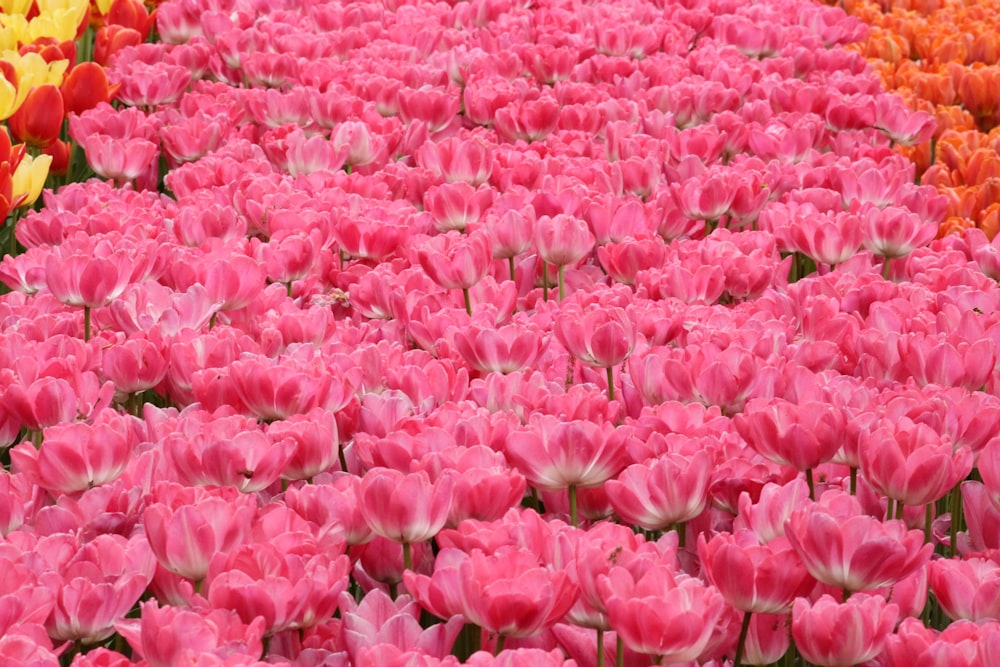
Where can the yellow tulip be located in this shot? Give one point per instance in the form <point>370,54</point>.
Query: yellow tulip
<point>29,178</point>
<point>15,6</point>
<point>61,23</point>
<point>103,6</point>
<point>13,31</point>
<point>8,99</point>
<point>32,70</point>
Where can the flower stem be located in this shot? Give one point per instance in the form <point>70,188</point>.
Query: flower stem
<point>572,505</point>
<point>885,269</point>
<point>510,265</point>
<point>928,518</point>
<point>812,486</point>
<point>407,556</point>
<point>562,282</point>
<point>742,640</point>
<point>600,647</point>
<point>500,642</point>
<point>611,384</point>
<point>468,300</point>
<point>86,323</point>
<point>545,281</point>
<point>619,652</point>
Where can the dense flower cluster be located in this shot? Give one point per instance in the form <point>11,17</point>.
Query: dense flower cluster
<point>579,333</point>
<point>942,58</point>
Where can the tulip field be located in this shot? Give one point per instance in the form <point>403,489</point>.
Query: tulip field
<point>513,333</point>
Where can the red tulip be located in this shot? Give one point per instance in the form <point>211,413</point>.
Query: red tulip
<point>86,86</point>
<point>39,119</point>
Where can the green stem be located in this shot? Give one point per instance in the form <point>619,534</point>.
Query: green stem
<point>562,282</point>
<point>510,265</point>
<point>681,530</point>
<point>572,505</point>
<point>812,486</point>
<point>885,269</point>
<point>468,300</point>
<point>928,518</point>
<point>619,652</point>
<point>854,481</point>
<point>890,508</point>
<point>899,509</point>
<point>742,640</point>
<point>501,639</point>
<point>288,288</point>
<point>86,323</point>
<point>600,647</point>
<point>407,556</point>
<point>611,383</point>
<point>545,281</point>
<point>393,590</point>
<point>956,517</point>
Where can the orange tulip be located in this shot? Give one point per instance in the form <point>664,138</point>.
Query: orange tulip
<point>978,91</point>
<point>989,220</point>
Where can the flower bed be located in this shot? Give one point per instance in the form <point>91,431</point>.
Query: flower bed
<point>942,58</point>
<point>549,334</point>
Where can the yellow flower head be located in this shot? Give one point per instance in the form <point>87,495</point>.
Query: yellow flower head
<point>8,99</point>
<point>32,70</point>
<point>13,31</point>
<point>59,19</point>
<point>15,6</point>
<point>29,178</point>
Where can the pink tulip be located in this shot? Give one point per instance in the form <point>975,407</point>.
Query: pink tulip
<point>187,526</point>
<point>135,365</point>
<point>602,337</point>
<point>505,349</point>
<point>378,619</point>
<point>457,160</point>
<point>74,457</point>
<point>290,590</point>
<point>662,613</point>
<point>507,593</point>
<point>554,455</point>
<point>456,206</point>
<point>562,240</point>
<point>894,232</point>
<point>831,634</point>
<point>405,508</point>
<point>967,589</point>
<point>802,436</point>
<point>662,493</point>
<point>754,577</point>
<point>842,547</point>
<point>101,583</point>
<point>166,636</point>
<point>455,261</point>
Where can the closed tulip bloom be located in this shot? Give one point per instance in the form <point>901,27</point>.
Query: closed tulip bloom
<point>39,120</point>
<point>912,463</point>
<point>662,613</point>
<point>554,455</point>
<point>187,526</point>
<point>75,457</point>
<point>831,634</point>
<point>967,589</point>
<point>562,239</point>
<point>290,590</point>
<point>405,508</point>
<point>504,349</point>
<point>843,547</point>
<point>798,435</point>
<point>169,636</point>
<point>754,577</point>
<point>456,261</point>
<point>663,492</point>
<point>601,336</point>
<point>135,365</point>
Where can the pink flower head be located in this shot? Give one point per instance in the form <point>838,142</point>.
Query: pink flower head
<point>405,508</point>
<point>832,634</point>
